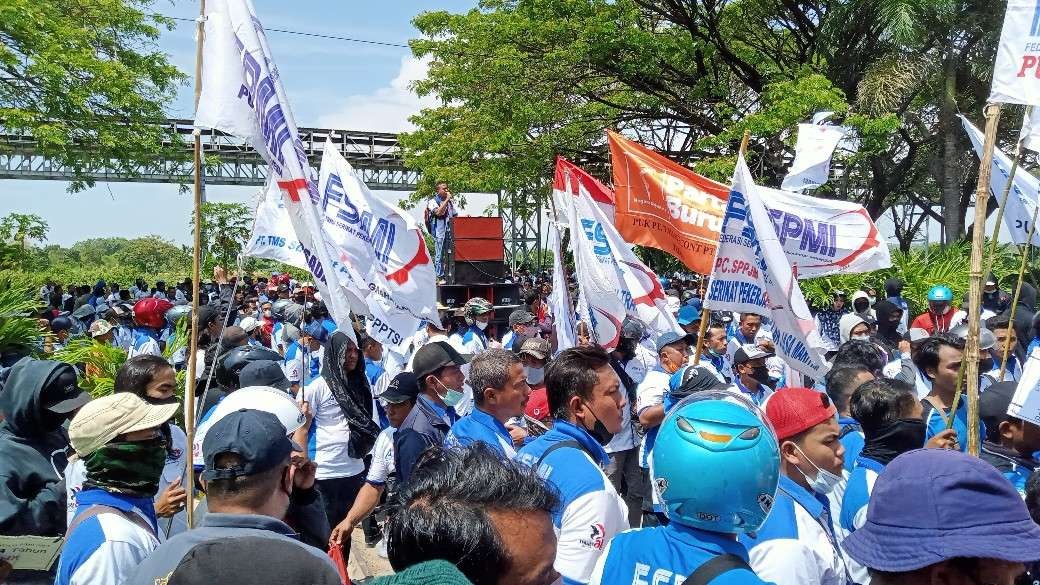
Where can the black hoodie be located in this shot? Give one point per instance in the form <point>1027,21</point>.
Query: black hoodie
<point>1024,317</point>
<point>887,331</point>
<point>32,493</point>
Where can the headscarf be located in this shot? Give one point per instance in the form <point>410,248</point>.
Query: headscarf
<point>352,392</point>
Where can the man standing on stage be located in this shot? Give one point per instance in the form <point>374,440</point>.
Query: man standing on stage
<point>439,211</point>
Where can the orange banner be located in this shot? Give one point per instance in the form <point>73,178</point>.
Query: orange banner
<point>664,205</point>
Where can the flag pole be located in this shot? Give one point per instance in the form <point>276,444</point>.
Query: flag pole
<point>1018,292</point>
<point>1004,199</point>
<point>971,348</point>
<point>705,313</point>
<point>196,277</point>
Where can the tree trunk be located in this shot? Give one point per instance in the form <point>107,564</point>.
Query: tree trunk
<point>952,210</point>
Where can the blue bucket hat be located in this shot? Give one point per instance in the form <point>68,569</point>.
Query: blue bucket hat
<point>932,505</point>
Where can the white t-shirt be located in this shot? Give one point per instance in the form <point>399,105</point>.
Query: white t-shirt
<point>330,434</point>
<point>382,458</point>
<point>651,393</point>
<point>176,459</point>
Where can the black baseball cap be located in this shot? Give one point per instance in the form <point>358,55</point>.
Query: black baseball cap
<point>60,393</point>
<point>993,407</point>
<point>669,337</point>
<point>263,373</point>
<point>256,436</point>
<point>434,356</point>
<point>404,386</point>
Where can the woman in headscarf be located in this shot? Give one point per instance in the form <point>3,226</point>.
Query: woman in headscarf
<point>343,430</point>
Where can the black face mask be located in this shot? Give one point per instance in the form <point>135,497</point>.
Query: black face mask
<point>986,364</point>
<point>761,375</point>
<point>599,430</point>
<point>161,401</point>
<point>894,439</point>
<point>861,305</point>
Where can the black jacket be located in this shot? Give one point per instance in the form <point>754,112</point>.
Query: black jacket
<point>32,491</point>
<point>422,428</point>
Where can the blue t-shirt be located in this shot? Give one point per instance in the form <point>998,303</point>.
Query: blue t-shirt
<point>936,422</point>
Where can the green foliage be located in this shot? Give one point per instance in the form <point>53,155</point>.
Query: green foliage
<point>97,363</point>
<point>17,232</point>
<point>225,229</point>
<point>920,268</point>
<point>19,330</point>
<point>87,80</point>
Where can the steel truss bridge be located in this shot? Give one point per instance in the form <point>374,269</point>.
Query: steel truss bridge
<point>375,155</point>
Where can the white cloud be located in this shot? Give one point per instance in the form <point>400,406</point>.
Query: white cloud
<point>387,108</point>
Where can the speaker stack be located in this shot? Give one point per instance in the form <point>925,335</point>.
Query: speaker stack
<point>477,268</point>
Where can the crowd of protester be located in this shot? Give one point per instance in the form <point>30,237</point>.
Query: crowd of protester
<point>486,454</point>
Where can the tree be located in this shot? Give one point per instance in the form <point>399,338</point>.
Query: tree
<point>225,229</point>
<point>87,81</point>
<point>523,80</point>
<point>17,232</point>
<point>152,255</point>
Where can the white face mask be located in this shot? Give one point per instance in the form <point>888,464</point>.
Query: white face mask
<point>861,337</point>
<point>824,482</point>
<point>482,325</point>
<point>534,375</point>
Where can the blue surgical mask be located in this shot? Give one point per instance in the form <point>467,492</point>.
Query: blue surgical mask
<point>450,397</point>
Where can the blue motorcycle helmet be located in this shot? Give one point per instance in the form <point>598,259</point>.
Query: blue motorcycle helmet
<point>940,292</point>
<point>716,463</point>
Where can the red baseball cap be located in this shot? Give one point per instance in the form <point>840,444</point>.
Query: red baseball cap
<point>537,404</point>
<point>793,410</point>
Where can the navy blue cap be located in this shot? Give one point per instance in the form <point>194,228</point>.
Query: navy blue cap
<point>263,373</point>
<point>931,505</point>
<point>258,437</point>
<point>404,386</point>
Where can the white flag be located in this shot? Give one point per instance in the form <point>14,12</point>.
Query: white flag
<point>1023,196</point>
<point>602,308</point>
<point>559,298</point>
<point>273,236</point>
<point>812,156</point>
<point>1016,72</point>
<point>382,247</point>
<point>751,274</point>
<point>616,266</point>
<point>242,94</point>
<point>1030,134</point>
<point>1025,404</point>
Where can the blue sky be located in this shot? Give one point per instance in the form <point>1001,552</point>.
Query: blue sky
<point>331,83</point>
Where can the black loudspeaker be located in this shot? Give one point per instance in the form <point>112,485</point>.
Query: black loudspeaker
<point>468,272</point>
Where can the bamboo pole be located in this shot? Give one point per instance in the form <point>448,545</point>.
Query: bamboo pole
<point>1018,292</point>
<point>705,313</point>
<point>196,277</point>
<point>971,349</point>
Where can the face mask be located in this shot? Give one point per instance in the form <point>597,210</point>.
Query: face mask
<point>761,375</point>
<point>127,467</point>
<point>861,337</point>
<point>160,401</point>
<point>267,313</point>
<point>872,300</point>
<point>534,375</point>
<point>895,438</point>
<point>482,325</point>
<point>531,330</point>
<point>450,397</point>
<point>986,364</point>
<point>599,430</point>
<point>861,305</point>
<point>824,482</point>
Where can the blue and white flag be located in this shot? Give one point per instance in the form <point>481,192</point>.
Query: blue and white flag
<point>381,246</point>
<point>242,94</point>
<point>1021,201</point>
<point>559,299</point>
<point>752,274</point>
<point>273,236</point>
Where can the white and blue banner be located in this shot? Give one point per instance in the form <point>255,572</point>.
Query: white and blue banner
<point>613,264</point>
<point>273,236</point>
<point>752,274</point>
<point>381,246</point>
<point>1016,71</point>
<point>1018,213</point>
<point>559,298</point>
<point>242,94</point>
